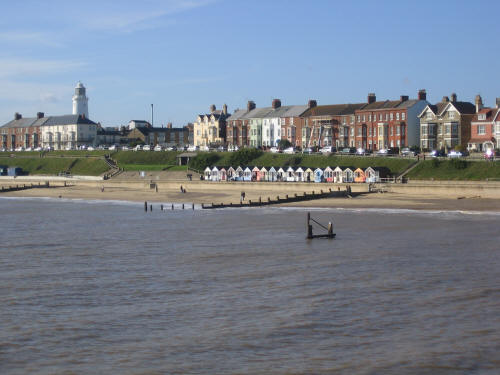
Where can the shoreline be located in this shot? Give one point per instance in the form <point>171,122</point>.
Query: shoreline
<point>412,197</point>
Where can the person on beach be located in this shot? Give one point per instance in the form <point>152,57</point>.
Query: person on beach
<point>242,196</point>
<point>182,189</point>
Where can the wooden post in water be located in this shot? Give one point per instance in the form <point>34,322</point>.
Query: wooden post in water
<point>260,201</point>
<point>309,227</point>
<point>183,206</point>
<point>172,206</point>
<point>161,207</point>
<point>146,206</point>
<point>193,206</point>
<point>330,230</point>
<point>150,208</point>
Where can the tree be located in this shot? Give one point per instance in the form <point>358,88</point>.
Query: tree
<point>284,143</point>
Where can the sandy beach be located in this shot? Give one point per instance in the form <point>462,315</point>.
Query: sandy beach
<point>437,196</point>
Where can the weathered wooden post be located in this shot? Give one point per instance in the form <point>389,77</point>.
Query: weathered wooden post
<point>330,230</point>
<point>269,199</point>
<point>193,206</point>
<point>203,205</point>
<point>161,207</point>
<point>260,201</point>
<point>150,208</point>
<point>286,196</point>
<point>146,206</point>
<point>309,227</point>
<point>183,206</point>
<point>172,206</point>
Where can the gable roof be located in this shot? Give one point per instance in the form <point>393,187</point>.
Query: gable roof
<point>68,120</point>
<point>237,114</point>
<point>257,113</point>
<point>333,109</point>
<point>462,107</point>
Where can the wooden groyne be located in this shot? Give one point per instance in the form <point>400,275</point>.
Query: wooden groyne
<point>279,199</point>
<point>19,187</point>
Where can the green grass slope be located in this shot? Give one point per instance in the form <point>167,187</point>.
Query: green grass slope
<point>456,169</point>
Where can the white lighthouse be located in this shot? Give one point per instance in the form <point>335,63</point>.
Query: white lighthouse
<point>80,101</point>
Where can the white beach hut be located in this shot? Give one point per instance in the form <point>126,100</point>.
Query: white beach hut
<point>299,174</point>
<point>271,174</point>
<point>308,175</point>
<point>247,174</point>
<point>215,174</point>
<point>281,174</point>
<point>263,174</point>
<point>207,173</point>
<point>290,174</point>
<point>372,175</point>
<point>231,173</point>
<point>318,175</point>
<point>338,175</point>
<point>348,175</point>
<point>328,174</point>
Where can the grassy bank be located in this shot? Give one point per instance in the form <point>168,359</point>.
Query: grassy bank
<point>455,169</point>
<point>53,166</point>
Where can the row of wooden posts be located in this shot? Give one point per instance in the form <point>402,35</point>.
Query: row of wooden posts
<point>18,187</point>
<point>164,207</point>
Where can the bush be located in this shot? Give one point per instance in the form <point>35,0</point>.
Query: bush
<point>458,163</point>
<point>203,160</point>
<point>243,156</point>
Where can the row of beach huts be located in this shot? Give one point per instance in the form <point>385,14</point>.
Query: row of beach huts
<point>296,174</point>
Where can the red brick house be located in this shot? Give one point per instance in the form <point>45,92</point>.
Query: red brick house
<point>238,127</point>
<point>22,132</point>
<point>483,135</point>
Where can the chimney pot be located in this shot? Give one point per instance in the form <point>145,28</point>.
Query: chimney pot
<point>312,103</point>
<point>479,103</point>
<point>404,98</point>
<point>40,114</point>
<point>453,97</point>
<point>224,109</point>
<point>18,116</point>
<point>372,98</point>
<point>169,125</point>
<point>212,108</point>
<point>250,105</point>
<point>445,99</point>
<point>422,94</point>
<point>498,102</point>
<point>276,103</point>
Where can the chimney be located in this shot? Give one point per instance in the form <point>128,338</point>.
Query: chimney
<point>404,98</point>
<point>169,125</point>
<point>312,103</point>
<point>250,105</point>
<point>453,97</point>
<point>17,116</point>
<point>224,109</point>
<point>212,108</point>
<point>276,103</point>
<point>40,115</point>
<point>372,98</point>
<point>479,103</point>
<point>445,99</point>
<point>82,116</point>
<point>422,94</point>
<point>498,102</point>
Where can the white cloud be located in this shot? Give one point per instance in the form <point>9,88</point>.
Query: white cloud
<point>140,18</point>
<point>40,38</point>
<point>18,67</point>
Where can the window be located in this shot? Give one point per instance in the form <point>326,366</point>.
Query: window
<point>352,132</point>
<point>364,118</point>
<point>397,116</point>
<point>398,130</point>
<point>403,116</point>
<point>428,116</point>
<point>454,129</point>
<point>481,129</point>
<point>447,129</point>
<point>423,129</point>
<point>359,118</point>
<point>482,116</point>
<point>392,116</point>
<point>402,130</point>
<point>386,117</point>
<point>369,117</point>
<point>392,131</point>
<point>451,114</point>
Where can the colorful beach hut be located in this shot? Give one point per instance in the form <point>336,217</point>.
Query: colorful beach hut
<point>222,174</point>
<point>328,174</point>
<point>318,175</point>
<point>299,174</point>
<point>281,174</point>
<point>238,174</point>
<point>359,175</point>
<point>263,174</point>
<point>231,173</point>
<point>255,173</point>
<point>338,175</point>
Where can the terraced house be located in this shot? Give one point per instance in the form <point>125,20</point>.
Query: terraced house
<point>446,124</point>
<point>485,127</point>
<point>328,125</point>
<point>22,132</point>
<point>210,129</point>
<point>390,123</point>
<point>274,125</point>
<point>238,127</point>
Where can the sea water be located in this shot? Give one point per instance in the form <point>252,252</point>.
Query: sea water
<point>96,287</point>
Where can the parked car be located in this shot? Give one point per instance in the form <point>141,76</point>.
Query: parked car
<point>28,149</point>
<point>362,151</point>
<point>192,148</point>
<point>348,150</point>
<point>407,152</point>
<point>274,150</point>
<point>112,148</point>
<point>138,148</point>
<point>221,149</point>
<point>457,154</point>
<point>233,148</point>
<point>491,154</point>
<point>327,150</point>
<point>437,153</point>
<point>289,150</point>
<point>19,149</point>
<point>307,150</point>
<point>146,148</point>
<point>172,148</point>
<point>158,148</point>
<point>37,149</point>
<point>204,148</point>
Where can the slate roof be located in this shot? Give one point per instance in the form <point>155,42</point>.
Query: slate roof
<point>21,123</point>
<point>387,104</point>
<point>257,113</point>
<point>237,115</point>
<point>333,109</point>
<point>296,110</point>
<point>67,120</point>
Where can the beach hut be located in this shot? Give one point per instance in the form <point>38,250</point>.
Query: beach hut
<point>215,174</point>
<point>359,175</point>
<point>247,174</point>
<point>222,174</point>
<point>255,174</point>
<point>272,174</point>
<point>308,175</point>
<point>281,175</point>
<point>347,175</point>
<point>338,175</point>
<point>318,175</point>
<point>263,174</point>
<point>231,173</point>
<point>328,174</point>
<point>290,174</point>
<point>207,173</point>
<point>371,175</point>
<point>299,175</point>
<point>238,174</point>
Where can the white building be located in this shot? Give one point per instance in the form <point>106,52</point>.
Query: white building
<point>80,101</point>
<point>68,132</point>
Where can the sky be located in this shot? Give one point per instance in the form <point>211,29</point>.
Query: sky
<point>184,55</point>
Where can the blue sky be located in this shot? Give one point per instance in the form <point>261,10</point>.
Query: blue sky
<point>183,55</point>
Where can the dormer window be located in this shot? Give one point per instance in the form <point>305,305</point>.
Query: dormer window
<point>451,114</point>
<point>482,116</point>
<point>429,115</point>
